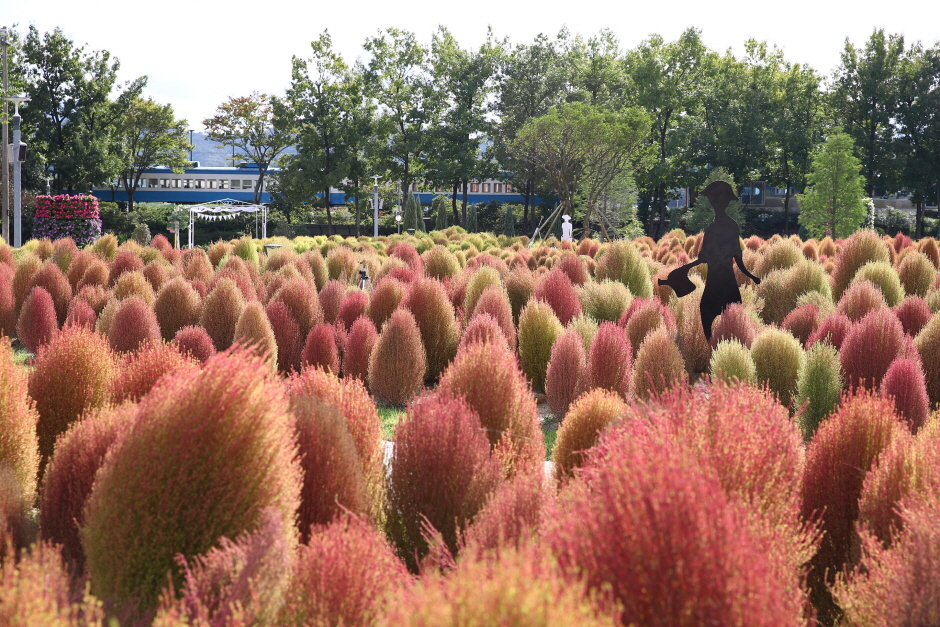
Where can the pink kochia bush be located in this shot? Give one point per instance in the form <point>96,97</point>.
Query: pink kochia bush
<point>206,456</point>
<point>565,369</point>
<point>138,372</point>
<point>610,360</point>
<point>555,288</point>
<point>652,532</point>
<point>37,320</point>
<point>904,384</point>
<point>427,301</point>
<point>442,473</point>
<point>287,335</point>
<point>134,325</point>
<point>194,342</point>
<point>870,347</point>
<point>359,344</point>
<point>398,364</point>
<point>320,349</point>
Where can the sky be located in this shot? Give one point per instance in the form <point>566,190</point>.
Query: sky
<point>198,54</point>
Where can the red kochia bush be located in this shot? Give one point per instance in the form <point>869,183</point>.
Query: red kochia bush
<point>488,377</point>
<point>124,261</point>
<point>359,344</point>
<point>610,360</point>
<point>832,330</point>
<point>37,321</point>
<point>331,299</point>
<point>904,383</point>
<point>801,322</point>
<point>512,516</point>
<point>50,278</point>
<point>301,298</point>
<point>138,372</point>
<point>73,374</point>
<point>77,266</point>
<point>334,477</point>
<point>220,311</point>
<point>345,575</point>
<point>555,288</point>
<point>320,349</point>
<point>7,303</point>
<point>388,293</point>
<point>194,342</point>
<point>398,364</point>
<point>642,317</point>
<point>566,367</point>
<point>860,298</point>
<point>19,448</point>
<point>870,346</point>
<point>81,314</point>
<point>442,472</point>
<point>482,328</point>
<point>914,314</point>
<point>134,325</point>
<point>844,449</point>
<point>287,335</point>
<point>572,266</point>
<point>207,455</point>
<point>494,301</point>
<point>649,529</point>
<point>354,305</point>
<point>427,300</point>
<point>79,453</point>
<point>177,305</point>
<point>156,274</point>
<point>658,366</point>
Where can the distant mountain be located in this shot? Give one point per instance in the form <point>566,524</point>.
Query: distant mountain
<point>208,155</point>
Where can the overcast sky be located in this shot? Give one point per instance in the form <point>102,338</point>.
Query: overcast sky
<point>198,54</point>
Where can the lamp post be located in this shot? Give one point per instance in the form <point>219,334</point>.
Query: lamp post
<point>191,146</point>
<point>375,205</point>
<point>5,182</point>
<point>18,157</point>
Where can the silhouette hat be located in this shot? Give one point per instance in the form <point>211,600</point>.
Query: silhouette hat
<point>719,194</point>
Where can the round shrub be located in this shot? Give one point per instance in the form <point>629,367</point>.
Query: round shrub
<point>19,447</point>
<point>587,418</point>
<point>50,278</point>
<point>482,328</point>
<point>345,575</point>
<point>81,314</point>
<point>94,295</point>
<point>832,330</point>
<point>693,345</point>
<point>782,289</point>
<point>442,472</point>
<point>331,299</point>
<point>860,248</point>
<point>566,367</point>
<point>538,330</point>
<point>658,366</point>
<point>573,266</point>
<point>77,266</point>
<point>205,457</point>
<point>440,263</point>
<point>37,320</point>
<point>134,325</point>
<point>72,375</point>
<point>194,342</point>
<point>427,301</point>
<point>487,376</point>
<point>26,266</point>
<point>511,518</point>
<point>138,372</point>
<point>605,300</point>
<point>95,274</point>
<point>398,365</point>
<point>818,386</point>
<point>320,350</point>
<point>106,246</point>
<point>354,305</point>
<point>731,361</point>
<point>870,346</point>
<point>780,255</point>
<point>385,298</point>
<point>610,361</point>
<point>68,479</point>
<point>643,316</point>
<point>495,302</point>
<point>220,312</point>
<point>481,279</point>
<point>286,334</point>
<point>928,347</point>
<point>359,344</point>
<point>342,265</point>
<point>196,265</point>
<point>245,248</point>
<point>621,261</point>
<point>734,323</point>
<point>254,330</point>
<point>904,384</point>
<point>777,357</point>
<point>317,266</point>
<point>917,273</point>
<point>177,305</point>
<point>520,283</point>
<point>844,449</point>
<point>801,322</point>
<point>301,298</point>
<point>134,284</point>
<point>883,276</point>
<point>7,303</point>
<point>914,314</point>
<point>124,261</point>
<point>556,289</point>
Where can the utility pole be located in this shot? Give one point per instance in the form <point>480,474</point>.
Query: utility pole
<point>18,158</point>
<point>5,195</point>
<point>375,205</point>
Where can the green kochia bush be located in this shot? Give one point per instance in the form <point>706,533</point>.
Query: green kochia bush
<point>538,329</point>
<point>205,457</point>
<point>398,364</point>
<point>819,386</point>
<point>731,360</point>
<point>621,261</point>
<point>778,357</point>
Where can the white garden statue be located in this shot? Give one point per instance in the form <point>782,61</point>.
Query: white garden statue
<point>566,228</point>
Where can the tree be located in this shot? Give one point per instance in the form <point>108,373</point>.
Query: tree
<point>248,124</point>
<point>407,101</point>
<point>577,145</point>
<point>464,80</point>
<point>361,139</point>
<point>71,113</point>
<point>919,127</point>
<point>597,70</point>
<point>834,203</point>
<point>148,134</point>
<point>702,213</point>
<point>666,80</point>
<point>864,99</point>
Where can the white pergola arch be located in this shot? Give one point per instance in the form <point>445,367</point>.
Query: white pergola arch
<point>224,209</point>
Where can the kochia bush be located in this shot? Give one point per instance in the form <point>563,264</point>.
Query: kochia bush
<point>610,361</point>
<point>220,312</point>
<point>177,305</point>
<point>19,448</point>
<point>566,367</point>
<point>134,325</point>
<point>579,431</point>
<point>194,342</point>
<point>427,301</point>
<point>777,356</point>
<point>138,372</point>
<point>658,366</point>
<point>538,329</point>
<point>398,365</point>
<point>37,320</point>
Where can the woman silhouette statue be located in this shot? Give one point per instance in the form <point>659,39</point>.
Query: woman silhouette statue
<point>720,245</point>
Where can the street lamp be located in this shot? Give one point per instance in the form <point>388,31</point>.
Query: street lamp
<point>19,155</point>
<point>4,162</point>
<point>375,205</point>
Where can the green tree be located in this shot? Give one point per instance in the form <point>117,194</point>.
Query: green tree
<point>834,202</point>
<point>509,221</point>
<point>701,214</point>
<point>439,209</point>
<point>666,80</point>
<point>71,112</point>
<point>464,80</point>
<point>864,99</point>
<point>361,140</point>
<point>248,124</point>
<point>408,104</point>
<point>148,135</point>
<point>579,146</point>
<point>597,70</point>
<point>414,214</point>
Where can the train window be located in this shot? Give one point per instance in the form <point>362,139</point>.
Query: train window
<point>486,187</point>
<point>223,184</point>
<point>200,183</point>
<point>213,184</point>
<point>474,187</point>
<point>164,182</point>
<point>176,182</point>
<point>187,183</point>
<point>236,184</point>
<point>508,188</point>
<point>246,184</point>
<point>498,188</point>
<point>153,183</point>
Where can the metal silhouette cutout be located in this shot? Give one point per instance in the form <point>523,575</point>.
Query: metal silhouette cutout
<point>721,245</point>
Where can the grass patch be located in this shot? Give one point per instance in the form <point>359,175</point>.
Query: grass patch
<point>389,417</point>
<point>550,431</point>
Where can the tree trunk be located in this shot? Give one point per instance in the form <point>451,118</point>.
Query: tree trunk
<point>453,202</point>
<point>329,216</point>
<point>661,201</point>
<point>587,224</point>
<point>919,228</point>
<point>526,223</point>
<point>463,221</point>
<point>786,212</point>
